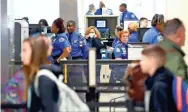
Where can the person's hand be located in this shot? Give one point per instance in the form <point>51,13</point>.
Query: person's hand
<point>110,48</point>
<point>58,60</point>
<point>95,36</point>
<point>131,92</point>
<point>64,59</point>
<point>118,59</point>
<point>49,62</point>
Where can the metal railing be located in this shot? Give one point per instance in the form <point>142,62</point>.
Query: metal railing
<point>87,87</point>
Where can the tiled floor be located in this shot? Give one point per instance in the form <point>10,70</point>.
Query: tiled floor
<point>106,97</point>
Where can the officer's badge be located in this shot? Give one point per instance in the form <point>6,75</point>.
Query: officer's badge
<point>124,50</point>
<point>75,41</point>
<point>117,50</point>
<point>126,16</point>
<point>61,39</point>
<point>81,43</point>
<point>133,16</point>
<point>160,38</point>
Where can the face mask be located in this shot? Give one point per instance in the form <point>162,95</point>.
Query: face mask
<point>91,35</point>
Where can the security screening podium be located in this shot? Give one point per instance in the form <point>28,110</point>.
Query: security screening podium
<point>91,88</point>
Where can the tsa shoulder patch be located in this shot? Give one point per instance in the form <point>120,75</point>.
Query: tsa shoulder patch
<point>117,49</point>
<point>61,39</point>
<point>133,16</point>
<point>160,38</point>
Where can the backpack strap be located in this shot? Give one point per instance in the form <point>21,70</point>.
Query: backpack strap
<point>147,100</point>
<point>43,72</point>
<point>179,93</point>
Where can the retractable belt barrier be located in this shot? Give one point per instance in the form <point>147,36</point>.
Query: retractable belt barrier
<point>91,89</point>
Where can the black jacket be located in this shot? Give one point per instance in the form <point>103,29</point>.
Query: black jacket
<point>47,102</point>
<point>161,92</point>
<point>96,43</point>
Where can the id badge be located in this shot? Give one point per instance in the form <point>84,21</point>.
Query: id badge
<point>81,43</point>
<point>75,41</point>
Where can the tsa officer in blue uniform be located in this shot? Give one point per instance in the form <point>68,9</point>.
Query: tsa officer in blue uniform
<point>61,46</point>
<point>154,35</point>
<point>77,41</point>
<point>120,52</point>
<point>126,15</point>
<point>116,39</point>
<point>133,38</point>
<point>117,31</point>
<point>78,48</point>
<point>101,6</point>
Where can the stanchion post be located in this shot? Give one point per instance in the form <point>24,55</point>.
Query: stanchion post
<point>65,74</point>
<point>92,67</point>
<point>92,95</point>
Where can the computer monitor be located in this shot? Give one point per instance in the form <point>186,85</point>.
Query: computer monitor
<point>141,32</point>
<point>34,28</point>
<point>135,50</point>
<point>101,23</point>
<point>137,44</point>
<point>46,29</point>
<point>106,24</point>
<point>108,41</point>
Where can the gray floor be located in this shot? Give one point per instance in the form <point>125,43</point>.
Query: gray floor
<point>106,97</point>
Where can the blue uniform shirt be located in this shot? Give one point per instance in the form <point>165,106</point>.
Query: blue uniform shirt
<point>99,11</point>
<point>121,51</point>
<point>152,36</point>
<point>78,44</point>
<point>115,42</point>
<point>126,15</point>
<point>59,42</point>
<point>133,37</point>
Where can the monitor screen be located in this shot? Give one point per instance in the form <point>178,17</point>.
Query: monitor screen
<point>141,32</point>
<point>34,28</point>
<point>135,50</point>
<point>101,23</point>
